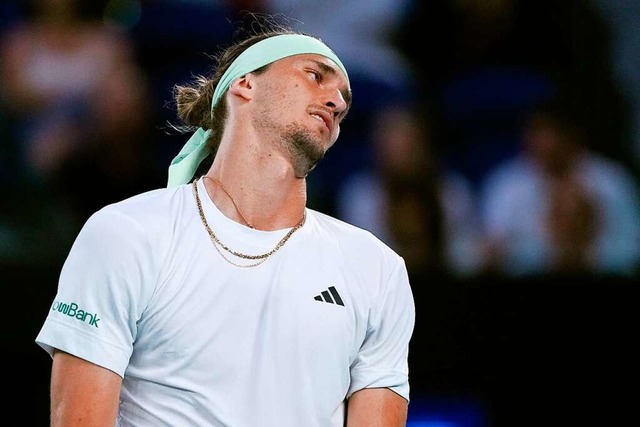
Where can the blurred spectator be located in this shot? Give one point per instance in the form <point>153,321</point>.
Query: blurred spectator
<point>560,207</point>
<point>75,98</point>
<point>484,62</point>
<point>408,199</point>
<point>361,32</point>
<point>623,17</point>
<point>60,71</point>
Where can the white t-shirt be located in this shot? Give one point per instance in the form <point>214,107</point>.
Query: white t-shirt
<point>201,342</point>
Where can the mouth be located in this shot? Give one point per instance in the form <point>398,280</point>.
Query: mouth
<point>323,117</point>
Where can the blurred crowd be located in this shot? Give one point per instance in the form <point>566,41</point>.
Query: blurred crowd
<point>486,137</point>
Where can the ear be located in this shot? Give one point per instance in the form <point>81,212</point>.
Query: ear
<point>242,86</point>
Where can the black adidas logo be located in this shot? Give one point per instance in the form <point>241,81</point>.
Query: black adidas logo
<point>331,296</point>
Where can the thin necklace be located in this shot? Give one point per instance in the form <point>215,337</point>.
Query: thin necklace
<point>218,244</point>
<point>232,200</point>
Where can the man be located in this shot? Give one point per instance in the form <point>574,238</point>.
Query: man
<point>560,207</point>
<point>223,300</point>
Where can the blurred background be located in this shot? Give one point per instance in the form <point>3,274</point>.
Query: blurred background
<point>495,144</point>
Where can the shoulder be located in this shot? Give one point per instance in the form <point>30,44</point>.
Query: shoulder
<point>512,176</point>
<point>134,234</point>
<point>352,242</point>
<point>369,267</point>
<point>335,227</point>
<point>504,172</point>
<point>150,214</point>
<point>149,205</point>
<point>606,171</point>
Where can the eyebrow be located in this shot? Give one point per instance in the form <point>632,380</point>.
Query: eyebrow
<point>346,94</point>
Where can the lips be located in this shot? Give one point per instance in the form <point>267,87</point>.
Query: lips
<point>325,117</point>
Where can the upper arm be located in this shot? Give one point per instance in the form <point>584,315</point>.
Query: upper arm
<point>82,393</point>
<point>376,407</point>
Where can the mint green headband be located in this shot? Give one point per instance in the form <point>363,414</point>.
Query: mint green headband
<point>266,51</point>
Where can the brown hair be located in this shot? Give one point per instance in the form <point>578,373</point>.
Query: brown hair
<point>193,100</point>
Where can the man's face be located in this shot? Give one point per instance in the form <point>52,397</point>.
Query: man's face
<point>301,100</point>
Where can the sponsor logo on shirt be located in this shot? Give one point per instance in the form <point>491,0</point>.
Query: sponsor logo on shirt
<point>331,296</point>
<point>73,310</point>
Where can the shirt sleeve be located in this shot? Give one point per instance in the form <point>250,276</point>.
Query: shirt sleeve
<point>104,286</point>
<point>383,357</point>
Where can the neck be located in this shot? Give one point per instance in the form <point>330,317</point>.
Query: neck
<point>263,204</point>
<point>233,201</point>
<point>260,178</point>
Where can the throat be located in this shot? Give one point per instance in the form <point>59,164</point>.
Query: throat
<point>233,201</point>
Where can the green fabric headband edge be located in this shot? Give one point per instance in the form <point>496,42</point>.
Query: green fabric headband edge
<point>270,50</point>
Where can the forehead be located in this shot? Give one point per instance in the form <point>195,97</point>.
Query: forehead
<point>324,64</point>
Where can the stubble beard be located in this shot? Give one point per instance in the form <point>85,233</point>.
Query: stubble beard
<point>306,150</point>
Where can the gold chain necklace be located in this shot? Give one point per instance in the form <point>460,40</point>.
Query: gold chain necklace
<point>232,200</point>
<point>218,244</point>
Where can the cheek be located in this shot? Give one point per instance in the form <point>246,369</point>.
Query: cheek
<point>276,92</point>
<point>336,134</point>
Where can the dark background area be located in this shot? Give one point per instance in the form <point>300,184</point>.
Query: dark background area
<point>490,352</point>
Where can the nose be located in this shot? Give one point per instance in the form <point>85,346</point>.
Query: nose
<point>336,102</point>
